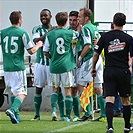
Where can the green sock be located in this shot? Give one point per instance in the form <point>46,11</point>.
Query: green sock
<point>17,111</point>
<point>54,100</point>
<point>89,110</point>
<point>76,105</point>
<point>37,103</point>
<point>68,103</point>
<point>102,104</point>
<point>12,99</point>
<point>16,104</point>
<point>61,104</point>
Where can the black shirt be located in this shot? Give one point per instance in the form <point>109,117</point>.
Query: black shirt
<point>117,45</point>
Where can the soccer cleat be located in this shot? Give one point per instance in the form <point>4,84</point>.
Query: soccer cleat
<point>110,130</point>
<point>75,118</point>
<point>12,116</point>
<point>17,115</point>
<point>127,130</point>
<point>85,118</point>
<point>36,118</point>
<point>131,127</point>
<point>68,119</point>
<point>100,119</point>
<point>54,116</point>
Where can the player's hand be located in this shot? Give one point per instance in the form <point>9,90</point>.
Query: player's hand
<point>93,73</point>
<point>78,63</point>
<point>39,43</point>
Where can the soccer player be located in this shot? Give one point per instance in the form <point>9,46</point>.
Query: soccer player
<point>88,33</point>
<point>73,24</point>
<point>117,47</point>
<point>14,40</point>
<point>58,48</point>
<point>41,68</point>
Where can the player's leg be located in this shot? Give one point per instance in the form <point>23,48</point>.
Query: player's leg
<point>55,80</point>
<point>110,91</point>
<point>125,92</point>
<point>98,88</point>
<point>75,96</point>
<point>17,114</point>
<point>61,103</point>
<point>76,103</point>
<point>18,83</point>
<point>101,102</point>
<point>83,80</point>
<point>37,103</point>
<point>40,78</point>
<point>67,82</point>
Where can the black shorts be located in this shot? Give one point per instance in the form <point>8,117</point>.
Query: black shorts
<point>117,80</point>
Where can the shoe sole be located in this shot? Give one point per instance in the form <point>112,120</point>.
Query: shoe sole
<point>35,119</point>
<point>54,118</point>
<point>74,120</point>
<point>12,117</point>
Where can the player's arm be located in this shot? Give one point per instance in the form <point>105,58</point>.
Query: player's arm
<point>87,46</point>
<point>41,38</point>
<point>36,35</point>
<point>46,48</point>
<point>35,48</point>
<point>29,45</point>
<point>94,61</point>
<point>130,63</point>
<point>130,58</point>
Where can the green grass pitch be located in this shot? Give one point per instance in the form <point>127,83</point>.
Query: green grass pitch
<point>45,125</point>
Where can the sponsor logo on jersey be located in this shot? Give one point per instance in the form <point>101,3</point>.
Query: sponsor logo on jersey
<point>116,45</point>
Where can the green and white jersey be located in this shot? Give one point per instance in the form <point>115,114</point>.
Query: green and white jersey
<point>58,44</point>
<point>76,47</point>
<point>88,33</point>
<point>37,32</point>
<point>13,40</point>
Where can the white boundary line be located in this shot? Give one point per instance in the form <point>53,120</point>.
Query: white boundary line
<point>69,127</point>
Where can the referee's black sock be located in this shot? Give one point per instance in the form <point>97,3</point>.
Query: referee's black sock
<point>109,114</point>
<point>127,115</point>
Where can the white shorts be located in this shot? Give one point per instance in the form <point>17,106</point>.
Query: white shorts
<point>65,79</point>
<point>85,73</point>
<point>75,76</point>
<point>16,82</point>
<point>41,75</point>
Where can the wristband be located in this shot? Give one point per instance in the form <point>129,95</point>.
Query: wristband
<point>80,58</point>
<point>130,65</point>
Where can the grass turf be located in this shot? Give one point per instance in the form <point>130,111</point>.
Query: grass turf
<point>45,125</point>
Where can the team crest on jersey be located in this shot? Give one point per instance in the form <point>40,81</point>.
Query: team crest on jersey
<point>116,45</point>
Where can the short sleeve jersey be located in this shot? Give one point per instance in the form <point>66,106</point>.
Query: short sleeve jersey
<point>88,33</point>
<point>37,32</point>
<point>13,40</point>
<point>117,45</point>
<point>58,44</point>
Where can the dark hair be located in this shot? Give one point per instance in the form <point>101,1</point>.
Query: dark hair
<point>15,16</point>
<point>46,10</point>
<point>61,18</point>
<point>87,12</point>
<point>74,13</point>
<point>119,19</point>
